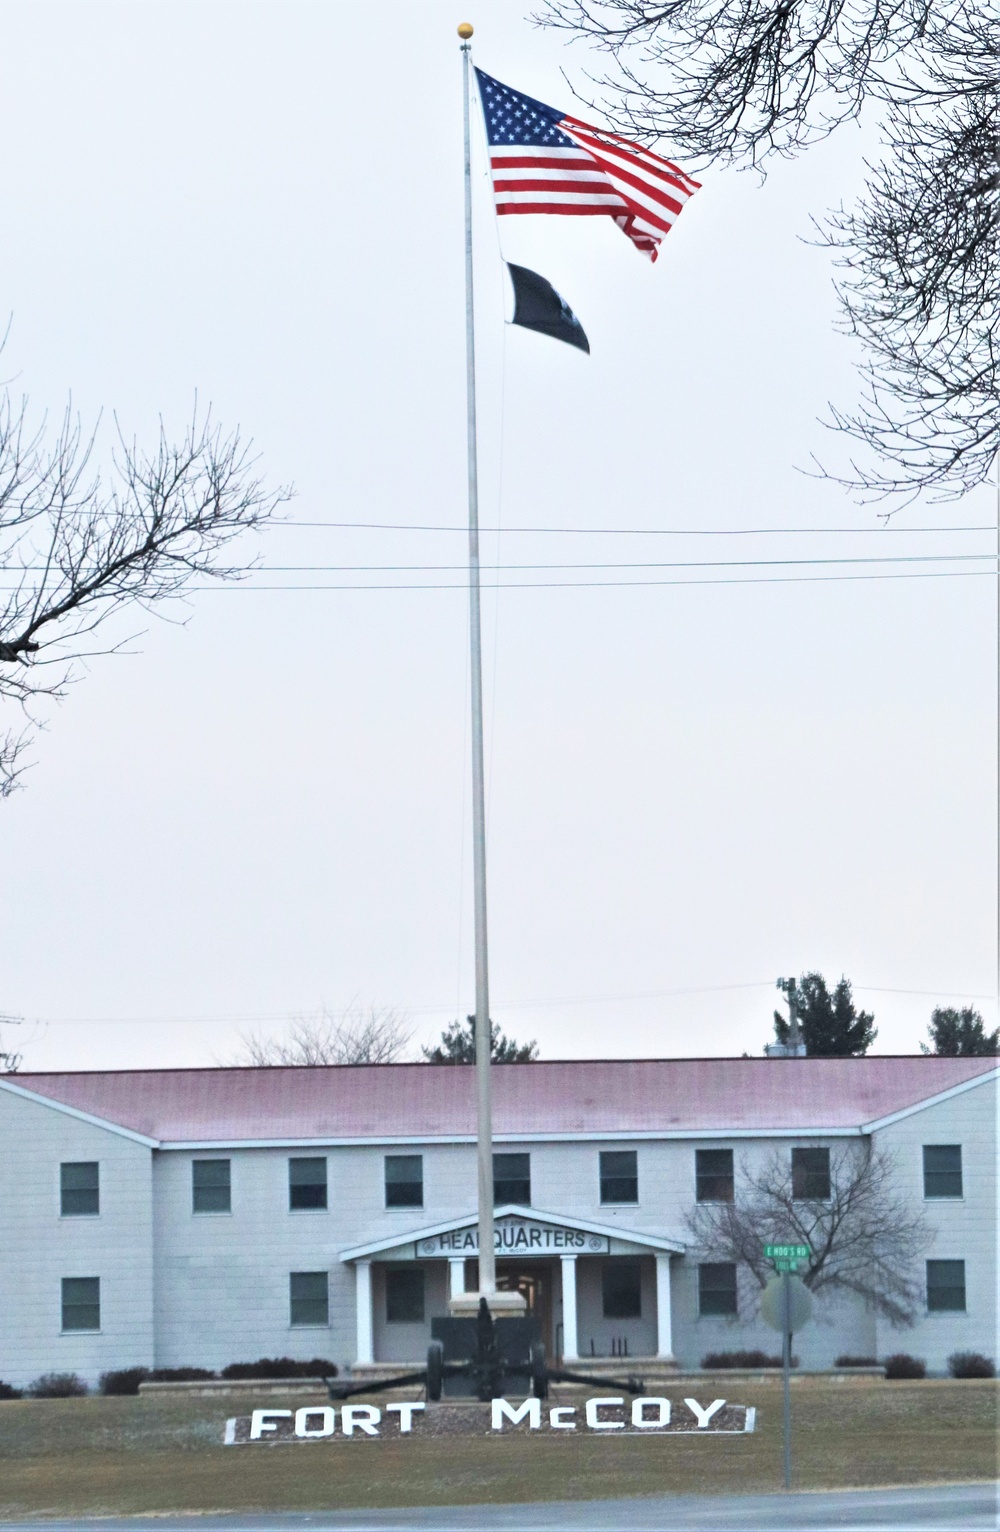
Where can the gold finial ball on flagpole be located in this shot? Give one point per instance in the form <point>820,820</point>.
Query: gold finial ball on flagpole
<point>464,31</point>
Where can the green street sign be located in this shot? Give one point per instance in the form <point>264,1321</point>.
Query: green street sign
<point>787,1252</point>
<point>786,1265</point>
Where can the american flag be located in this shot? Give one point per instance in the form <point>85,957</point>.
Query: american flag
<point>545,161</point>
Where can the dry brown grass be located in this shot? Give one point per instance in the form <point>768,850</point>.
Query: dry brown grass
<point>93,1456</point>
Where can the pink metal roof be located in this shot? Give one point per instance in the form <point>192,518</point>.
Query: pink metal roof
<point>427,1100</point>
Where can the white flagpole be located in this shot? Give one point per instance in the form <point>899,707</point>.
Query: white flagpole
<point>484,1114</point>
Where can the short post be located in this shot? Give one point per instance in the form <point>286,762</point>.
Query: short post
<point>786,1364</point>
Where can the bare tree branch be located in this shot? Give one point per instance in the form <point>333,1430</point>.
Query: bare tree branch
<point>362,1035</point>
<point>738,81</point>
<point>866,1238</point>
<point>10,1062</point>
<point>78,547</point>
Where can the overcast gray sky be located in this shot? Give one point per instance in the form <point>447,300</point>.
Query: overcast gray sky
<point>693,788</point>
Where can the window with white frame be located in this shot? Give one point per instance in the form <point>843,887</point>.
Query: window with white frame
<point>79,1189</point>
<point>942,1170</point>
<point>309,1298</point>
<point>81,1303</point>
<point>946,1287</point>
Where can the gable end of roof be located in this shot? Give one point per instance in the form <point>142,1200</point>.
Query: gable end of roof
<point>72,1111</point>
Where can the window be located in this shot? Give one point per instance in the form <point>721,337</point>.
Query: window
<point>307,1183</point>
<point>619,1176</point>
<point>717,1288</point>
<point>81,1303</point>
<point>512,1179</point>
<point>621,1290</point>
<point>713,1175</point>
<point>942,1170</point>
<point>404,1180</point>
<point>404,1295</point>
<point>945,1287</point>
<point>210,1186</point>
<point>79,1189</point>
<point>811,1175</point>
<point>309,1301</point>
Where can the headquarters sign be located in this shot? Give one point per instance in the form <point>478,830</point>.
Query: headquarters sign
<point>516,1236</point>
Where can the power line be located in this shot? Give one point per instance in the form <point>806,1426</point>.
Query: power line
<point>406,526</point>
<point>930,574</point>
<point>447,1008</point>
<point>888,558</point>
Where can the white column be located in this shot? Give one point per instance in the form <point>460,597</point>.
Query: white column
<point>570,1342</point>
<point>664,1334</point>
<point>456,1276</point>
<point>363,1298</point>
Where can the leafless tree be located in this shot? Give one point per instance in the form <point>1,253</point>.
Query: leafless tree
<point>736,81</point>
<point>10,1061</point>
<point>362,1035</point>
<point>866,1238</point>
<point>80,544</point>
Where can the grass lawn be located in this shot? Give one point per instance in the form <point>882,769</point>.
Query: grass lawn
<point>76,1457</point>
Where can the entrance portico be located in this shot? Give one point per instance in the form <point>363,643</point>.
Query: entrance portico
<point>594,1289</point>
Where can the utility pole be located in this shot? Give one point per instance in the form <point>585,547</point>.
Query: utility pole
<point>794,1048</point>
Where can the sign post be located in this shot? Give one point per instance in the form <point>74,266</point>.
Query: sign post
<point>786,1305</point>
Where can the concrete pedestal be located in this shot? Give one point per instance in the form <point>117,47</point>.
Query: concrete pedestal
<point>501,1305</point>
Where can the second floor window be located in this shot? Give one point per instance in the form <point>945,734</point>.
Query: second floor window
<point>404,1180</point>
<point>210,1186</point>
<point>512,1179</point>
<point>79,1189</point>
<point>713,1175</point>
<point>811,1175</point>
<point>619,1175</point>
<point>942,1170</point>
<point>307,1183</point>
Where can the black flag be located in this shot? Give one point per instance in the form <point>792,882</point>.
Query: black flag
<point>537,306</point>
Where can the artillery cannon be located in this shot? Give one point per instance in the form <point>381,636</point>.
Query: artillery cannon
<point>485,1366</point>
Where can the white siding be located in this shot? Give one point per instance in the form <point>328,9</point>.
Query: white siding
<point>963,1230</point>
<point>208,1289</point>
<point>38,1247</point>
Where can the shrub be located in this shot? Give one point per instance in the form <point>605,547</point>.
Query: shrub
<point>969,1364</point>
<point>856,1361</point>
<point>58,1385</point>
<point>903,1366</point>
<point>743,1359</point>
<point>8,1391</point>
<point>280,1367</point>
<point>125,1380</point>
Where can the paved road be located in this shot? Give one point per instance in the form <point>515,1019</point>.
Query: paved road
<point>953,1508</point>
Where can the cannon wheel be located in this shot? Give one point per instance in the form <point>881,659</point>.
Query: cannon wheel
<point>539,1372</point>
<point>435,1370</point>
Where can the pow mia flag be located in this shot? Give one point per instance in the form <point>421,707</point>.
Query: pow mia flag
<point>537,306</point>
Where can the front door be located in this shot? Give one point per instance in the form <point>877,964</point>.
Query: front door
<point>533,1280</point>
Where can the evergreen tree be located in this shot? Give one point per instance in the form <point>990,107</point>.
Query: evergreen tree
<point>458,1046</point>
<point>830,1025</point>
<point>960,1034</point>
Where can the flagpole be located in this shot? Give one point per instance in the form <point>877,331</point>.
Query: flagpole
<point>484,1105</point>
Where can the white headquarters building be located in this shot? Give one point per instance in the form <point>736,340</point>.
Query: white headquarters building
<point>206,1216</point>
